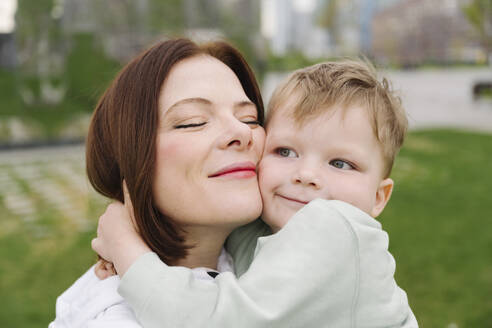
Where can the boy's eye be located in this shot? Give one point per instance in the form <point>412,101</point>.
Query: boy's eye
<point>285,152</point>
<point>341,164</point>
<point>190,125</point>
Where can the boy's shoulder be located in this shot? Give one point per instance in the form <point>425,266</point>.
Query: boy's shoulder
<point>241,244</point>
<point>243,241</point>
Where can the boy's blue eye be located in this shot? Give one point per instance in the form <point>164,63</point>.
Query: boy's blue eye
<point>285,152</point>
<point>341,164</point>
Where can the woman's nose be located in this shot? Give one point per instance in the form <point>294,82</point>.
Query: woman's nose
<point>237,135</point>
<point>308,176</point>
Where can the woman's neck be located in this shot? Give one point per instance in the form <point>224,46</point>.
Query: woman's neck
<point>209,243</point>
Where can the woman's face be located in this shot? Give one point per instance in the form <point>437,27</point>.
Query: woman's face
<point>208,146</point>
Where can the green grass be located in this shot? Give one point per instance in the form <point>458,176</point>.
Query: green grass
<point>40,258</point>
<point>439,221</point>
<point>440,225</point>
<point>35,270</point>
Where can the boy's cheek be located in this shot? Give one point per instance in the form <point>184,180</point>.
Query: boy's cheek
<point>267,172</point>
<point>270,164</point>
<point>263,168</point>
<point>263,184</point>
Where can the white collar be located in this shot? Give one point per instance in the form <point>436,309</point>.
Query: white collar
<point>224,264</point>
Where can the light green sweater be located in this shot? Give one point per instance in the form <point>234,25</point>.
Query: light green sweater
<point>328,267</point>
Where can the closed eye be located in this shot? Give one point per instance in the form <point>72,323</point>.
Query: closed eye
<point>285,152</point>
<point>191,125</point>
<point>253,122</point>
<point>341,164</point>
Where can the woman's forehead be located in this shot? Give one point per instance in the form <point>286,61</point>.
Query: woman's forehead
<point>201,77</point>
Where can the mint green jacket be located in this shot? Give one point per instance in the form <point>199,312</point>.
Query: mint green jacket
<point>328,267</point>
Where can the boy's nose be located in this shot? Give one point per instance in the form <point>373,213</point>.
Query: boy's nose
<point>307,178</point>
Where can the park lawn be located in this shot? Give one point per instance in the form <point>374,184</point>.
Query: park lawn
<point>439,222</point>
<point>41,257</point>
<point>440,225</point>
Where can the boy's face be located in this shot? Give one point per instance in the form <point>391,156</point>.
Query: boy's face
<point>333,156</point>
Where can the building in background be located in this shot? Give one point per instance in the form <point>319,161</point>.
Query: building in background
<point>320,28</point>
<point>406,32</point>
<point>412,32</point>
<point>7,28</point>
<point>350,26</point>
<point>121,27</point>
<point>291,25</point>
<point>124,27</point>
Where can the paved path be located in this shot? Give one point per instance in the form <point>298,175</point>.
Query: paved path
<point>36,183</point>
<point>433,98</point>
<point>14,157</point>
<point>443,98</point>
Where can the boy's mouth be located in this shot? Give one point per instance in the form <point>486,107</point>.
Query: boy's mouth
<point>302,202</point>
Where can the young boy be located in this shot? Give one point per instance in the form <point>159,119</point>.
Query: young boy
<point>333,131</point>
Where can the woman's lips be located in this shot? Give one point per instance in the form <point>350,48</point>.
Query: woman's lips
<point>236,170</point>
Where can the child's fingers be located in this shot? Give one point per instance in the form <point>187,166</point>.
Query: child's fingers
<point>128,202</point>
<point>110,268</point>
<point>104,269</point>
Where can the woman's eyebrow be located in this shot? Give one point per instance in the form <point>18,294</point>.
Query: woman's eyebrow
<point>244,103</point>
<point>206,102</point>
<point>195,100</point>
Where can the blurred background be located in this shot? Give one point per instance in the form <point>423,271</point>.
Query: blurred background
<point>58,56</point>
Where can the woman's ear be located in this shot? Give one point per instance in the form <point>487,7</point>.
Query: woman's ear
<point>383,195</point>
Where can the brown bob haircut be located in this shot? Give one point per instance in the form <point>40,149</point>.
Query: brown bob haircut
<point>121,143</point>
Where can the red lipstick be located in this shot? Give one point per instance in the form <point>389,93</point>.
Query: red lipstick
<point>236,170</point>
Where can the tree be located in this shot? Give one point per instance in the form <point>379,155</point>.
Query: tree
<point>240,23</point>
<point>479,14</point>
<point>41,52</point>
<point>328,19</point>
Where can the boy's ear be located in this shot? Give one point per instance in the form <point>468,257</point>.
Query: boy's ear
<point>383,195</point>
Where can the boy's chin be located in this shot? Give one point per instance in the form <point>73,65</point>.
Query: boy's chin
<point>277,219</point>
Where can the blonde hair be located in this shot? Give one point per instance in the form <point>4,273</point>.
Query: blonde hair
<point>316,89</point>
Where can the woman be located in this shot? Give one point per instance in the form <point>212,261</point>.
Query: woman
<point>189,190</point>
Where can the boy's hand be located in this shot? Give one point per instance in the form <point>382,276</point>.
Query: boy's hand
<point>117,238</point>
<point>104,269</point>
